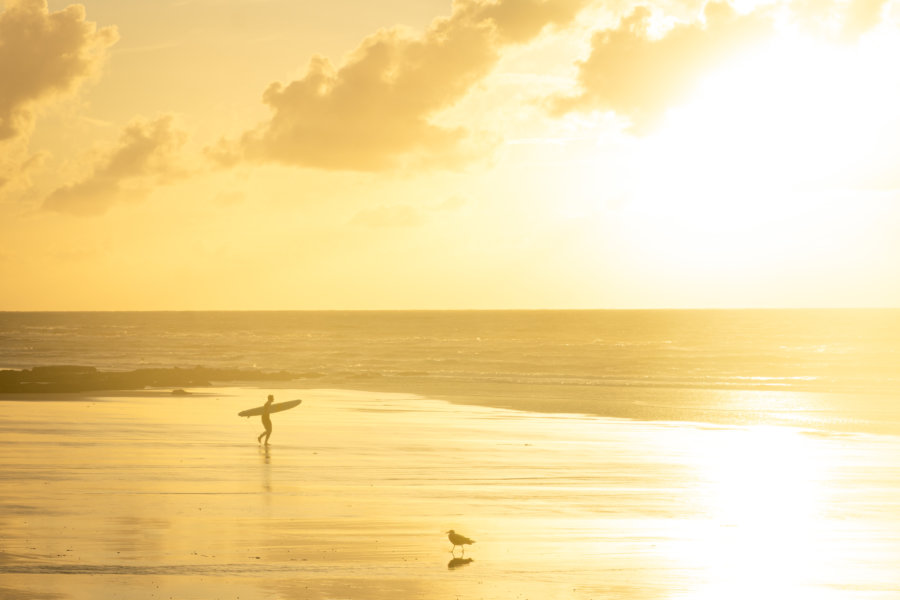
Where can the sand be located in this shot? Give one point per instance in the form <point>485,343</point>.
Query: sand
<point>152,496</point>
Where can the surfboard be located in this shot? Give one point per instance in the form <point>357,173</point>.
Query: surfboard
<point>274,408</point>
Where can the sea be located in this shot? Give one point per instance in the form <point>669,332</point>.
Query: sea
<point>823,370</point>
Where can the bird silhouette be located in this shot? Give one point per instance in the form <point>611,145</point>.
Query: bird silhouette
<point>458,540</point>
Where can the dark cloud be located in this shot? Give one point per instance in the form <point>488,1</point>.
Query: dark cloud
<point>147,153</point>
<point>639,76</point>
<point>43,55</point>
<point>375,111</point>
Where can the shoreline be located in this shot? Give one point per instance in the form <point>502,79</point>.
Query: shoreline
<point>653,405</point>
<point>833,412</point>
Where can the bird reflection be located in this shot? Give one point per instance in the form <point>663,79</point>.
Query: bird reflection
<point>456,563</point>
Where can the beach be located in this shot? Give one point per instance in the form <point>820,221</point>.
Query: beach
<point>146,495</point>
<point>609,288</point>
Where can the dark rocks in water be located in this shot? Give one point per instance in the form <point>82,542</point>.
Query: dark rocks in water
<point>180,392</point>
<point>71,378</point>
<point>61,371</point>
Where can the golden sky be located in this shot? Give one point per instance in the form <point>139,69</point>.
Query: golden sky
<point>350,154</point>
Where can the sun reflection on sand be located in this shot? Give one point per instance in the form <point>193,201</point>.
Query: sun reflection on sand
<point>766,527</point>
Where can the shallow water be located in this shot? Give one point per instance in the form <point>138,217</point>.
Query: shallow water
<point>150,496</point>
<point>835,370</point>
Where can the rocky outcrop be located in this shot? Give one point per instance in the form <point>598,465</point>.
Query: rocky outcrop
<point>70,378</point>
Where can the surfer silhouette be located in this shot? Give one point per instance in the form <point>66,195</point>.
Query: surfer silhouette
<point>266,420</point>
<point>265,411</point>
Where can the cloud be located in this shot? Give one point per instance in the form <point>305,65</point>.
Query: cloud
<point>518,21</point>
<point>862,15</point>
<point>42,56</point>
<point>17,166</point>
<point>147,153</point>
<point>839,19</point>
<point>639,76</point>
<point>375,111</point>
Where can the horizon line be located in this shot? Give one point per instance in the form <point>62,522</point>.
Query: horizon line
<point>396,310</point>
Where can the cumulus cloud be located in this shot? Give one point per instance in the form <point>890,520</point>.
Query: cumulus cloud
<point>637,75</point>
<point>376,110</point>
<point>43,55</point>
<point>518,21</point>
<point>147,153</point>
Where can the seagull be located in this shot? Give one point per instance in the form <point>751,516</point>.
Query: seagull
<point>458,540</point>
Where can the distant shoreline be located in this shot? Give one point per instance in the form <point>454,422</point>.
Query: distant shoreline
<point>70,379</point>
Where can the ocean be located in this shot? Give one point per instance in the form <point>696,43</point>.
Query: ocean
<point>834,370</point>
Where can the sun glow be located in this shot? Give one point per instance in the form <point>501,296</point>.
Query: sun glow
<point>784,143</point>
<point>796,114</point>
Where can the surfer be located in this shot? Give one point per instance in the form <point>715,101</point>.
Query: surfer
<point>266,420</point>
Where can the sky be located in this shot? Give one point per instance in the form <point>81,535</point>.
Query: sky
<point>425,154</point>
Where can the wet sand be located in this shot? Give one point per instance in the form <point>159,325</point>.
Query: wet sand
<point>153,496</point>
